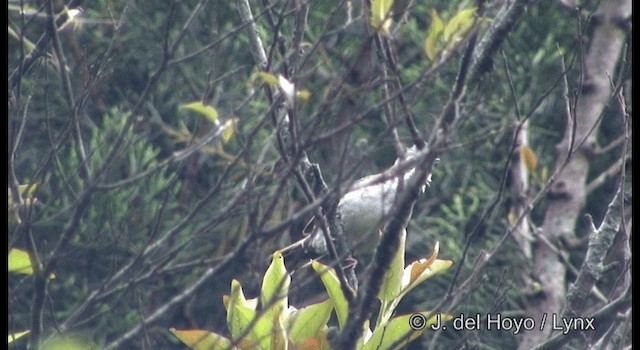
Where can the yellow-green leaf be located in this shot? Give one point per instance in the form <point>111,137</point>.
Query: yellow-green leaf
<point>237,296</point>
<point>204,110</point>
<point>303,95</point>
<point>243,317</point>
<point>529,158</point>
<point>392,282</point>
<point>275,285</point>
<point>17,335</point>
<point>432,45</point>
<point>389,294</point>
<point>268,78</point>
<point>309,321</point>
<point>270,330</point>
<point>458,26</point>
<point>380,15</point>
<point>202,340</point>
<point>278,332</point>
<point>332,285</point>
<point>237,318</point>
<point>399,330</point>
<point>20,261</point>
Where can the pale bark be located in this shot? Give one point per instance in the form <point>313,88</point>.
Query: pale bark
<point>567,198</point>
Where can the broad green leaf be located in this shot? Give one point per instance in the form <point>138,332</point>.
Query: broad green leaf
<point>529,158</point>
<point>237,297</point>
<point>17,335</point>
<point>432,45</point>
<point>399,332</point>
<point>237,323</point>
<point>278,331</point>
<point>380,15</point>
<point>309,321</point>
<point>458,26</point>
<point>332,285</point>
<point>275,285</point>
<point>392,282</point>
<point>274,300</point>
<point>203,340</point>
<point>206,111</point>
<point>248,331</point>
<point>20,261</point>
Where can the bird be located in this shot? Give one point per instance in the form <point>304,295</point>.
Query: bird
<point>364,209</point>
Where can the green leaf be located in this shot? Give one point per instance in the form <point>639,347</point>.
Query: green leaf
<point>237,323</point>
<point>399,332</point>
<point>246,330</point>
<point>380,15</point>
<point>20,261</point>
<point>332,285</point>
<point>392,283</point>
<point>432,45</point>
<point>458,26</point>
<point>275,285</point>
<point>204,110</point>
<point>274,300</point>
<point>202,340</point>
<point>17,335</point>
<point>309,321</point>
<point>279,340</point>
<point>393,279</point>
<point>237,296</point>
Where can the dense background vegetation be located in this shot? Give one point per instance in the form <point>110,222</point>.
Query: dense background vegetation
<point>145,225</point>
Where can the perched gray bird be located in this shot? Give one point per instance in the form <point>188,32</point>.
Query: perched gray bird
<point>364,208</point>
